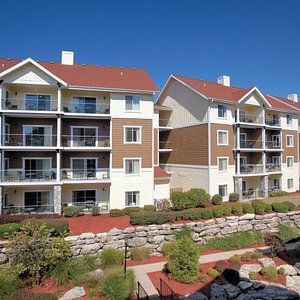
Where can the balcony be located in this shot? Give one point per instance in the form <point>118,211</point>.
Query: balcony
<point>252,194</point>
<point>165,146</point>
<point>86,108</point>
<point>30,140</point>
<point>275,121</point>
<point>32,105</point>
<point>251,169</point>
<point>85,141</point>
<point>85,174</point>
<point>16,209</point>
<point>273,168</point>
<point>250,119</point>
<point>251,144</point>
<point>16,176</point>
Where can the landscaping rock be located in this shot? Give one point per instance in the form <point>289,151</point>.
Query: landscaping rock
<point>245,285</point>
<point>267,262</point>
<point>195,296</point>
<point>231,291</point>
<point>74,293</point>
<point>288,270</point>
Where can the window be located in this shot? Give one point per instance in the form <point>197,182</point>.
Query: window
<point>222,111</point>
<point>85,196</point>
<point>222,138</point>
<point>84,136</point>
<point>289,161</point>
<point>133,103</point>
<point>37,200</point>
<point>222,163</point>
<point>132,166</point>
<point>84,168</point>
<point>132,198</point>
<point>289,140</point>
<point>289,119</point>
<point>290,183</point>
<point>37,135</point>
<point>84,105</point>
<point>132,135</point>
<point>223,190</point>
<point>37,102</point>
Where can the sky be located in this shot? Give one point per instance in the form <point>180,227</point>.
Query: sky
<point>255,42</point>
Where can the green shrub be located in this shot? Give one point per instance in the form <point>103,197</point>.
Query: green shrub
<point>281,271</point>
<point>132,209</point>
<point>288,233</point>
<point>191,214</point>
<point>268,207</point>
<point>281,207</point>
<point>252,275</point>
<point>227,209</point>
<point>140,253</point>
<point>9,282</point>
<point>221,266</point>
<point>199,197</point>
<point>213,273</point>
<point>259,207</point>
<point>235,241</point>
<point>217,211</point>
<point>203,277</point>
<point>55,226</point>
<point>149,207</point>
<point>247,208</point>
<point>7,230</point>
<point>234,197</point>
<point>160,217</point>
<point>183,260</point>
<point>247,256</point>
<point>111,257</point>
<point>166,248</point>
<point>235,258</point>
<point>73,211</point>
<point>279,194</point>
<point>216,199</point>
<point>237,209</point>
<point>95,210</point>
<point>116,212</point>
<point>206,214</point>
<point>117,285</point>
<point>270,273</point>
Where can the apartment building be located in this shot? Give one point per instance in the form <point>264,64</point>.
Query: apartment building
<point>228,139</point>
<point>77,134</point>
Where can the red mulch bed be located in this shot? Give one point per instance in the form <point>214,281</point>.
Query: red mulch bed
<point>149,260</point>
<point>96,224</point>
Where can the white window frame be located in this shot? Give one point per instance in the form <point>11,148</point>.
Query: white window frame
<point>227,161</point>
<point>132,158</point>
<point>226,189</point>
<point>84,127</point>
<point>77,190</point>
<point>292,140</point>
<point>139,136</point>
<point>138,202</point>
<point>139,106</point>
<point>287,158</point>
<point>225,112</point>
<point>291,119</point>
<point>288,180</point>
<point>222,131</point>
<point>38,94</point>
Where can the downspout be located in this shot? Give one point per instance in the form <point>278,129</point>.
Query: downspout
<point>209,144</point>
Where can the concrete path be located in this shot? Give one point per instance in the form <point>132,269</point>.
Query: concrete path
<point>142,270</point>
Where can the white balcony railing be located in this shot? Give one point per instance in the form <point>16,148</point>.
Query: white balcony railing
<point>251,169</point>
<point>28,175</point>
<point>273,167</point>
<point>251,119</point>
<point>30,140</point>
<point>251,144</point>
<point>16,104</point>
<point>86,108</point>
<point>85,141</point>
<point>84,174</point>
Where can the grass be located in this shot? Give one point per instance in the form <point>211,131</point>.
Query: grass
<point>293,198</point>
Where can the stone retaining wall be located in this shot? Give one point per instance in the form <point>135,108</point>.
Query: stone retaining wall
<point>153,236</point>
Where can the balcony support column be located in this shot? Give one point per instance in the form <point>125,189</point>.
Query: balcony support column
<point>57,199</point>
<point>238,186</point>
<point>58,131</point>
<point>59,98</point>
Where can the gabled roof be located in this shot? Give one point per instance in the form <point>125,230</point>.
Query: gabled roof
<point>89,76</point>
<point>218,91</point>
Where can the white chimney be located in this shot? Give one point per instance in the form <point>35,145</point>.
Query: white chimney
<point>225,80</point>
<point>67,57</point>
<point>293,97</point>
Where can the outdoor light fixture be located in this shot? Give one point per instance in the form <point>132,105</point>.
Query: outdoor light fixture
<point>126,245</point>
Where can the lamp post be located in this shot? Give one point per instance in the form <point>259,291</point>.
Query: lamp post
<point>125,262</point>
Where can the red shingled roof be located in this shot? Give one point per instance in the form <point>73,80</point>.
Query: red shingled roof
<point>160,173</point>
<point>234,94</point>
<point>95,76</point>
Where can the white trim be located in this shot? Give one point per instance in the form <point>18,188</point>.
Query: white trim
<point>132,158</point>
<point>292,157</point>
<point>30,60</point>
<point>218,143</point>
<point>227,163</point>
<point>292,141</point>
<point>124,134</point>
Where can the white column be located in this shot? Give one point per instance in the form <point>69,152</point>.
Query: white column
<point>58,131</point>
<point>58,165</point>
<point>59,98</point>
<point>57,199</point>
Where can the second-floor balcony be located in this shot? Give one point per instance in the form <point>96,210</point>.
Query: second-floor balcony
<point>33,175</point>
<point>29,140</point>
<point>85,141</point>
<point>251,169</point>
